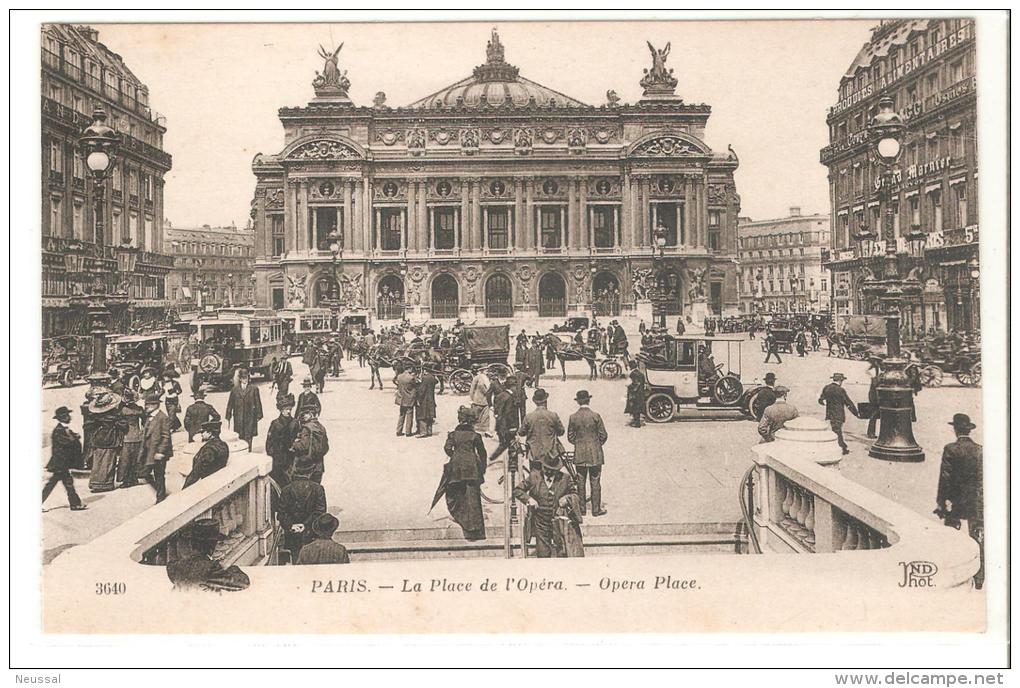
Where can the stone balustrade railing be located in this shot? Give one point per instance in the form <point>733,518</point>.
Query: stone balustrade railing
<point>862,557</point>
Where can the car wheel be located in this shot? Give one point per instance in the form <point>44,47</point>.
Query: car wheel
<point>134,383</point>
<point>971,377</point>
<point>727,390</point>
<point>660,407</point>
<point>67,378</point>
<point>749,402</point>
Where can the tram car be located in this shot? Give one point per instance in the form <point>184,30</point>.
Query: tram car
<point>301,326</point>
<point>686,383</point>
<point>225,342</point>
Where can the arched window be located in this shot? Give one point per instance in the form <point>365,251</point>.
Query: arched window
<point>389,298</point>
<point>552,296</point>
<point>606,294</point>
<point>499,297</point>
<point>445,299</point>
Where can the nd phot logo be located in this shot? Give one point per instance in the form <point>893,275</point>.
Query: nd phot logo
<point>918,574</point>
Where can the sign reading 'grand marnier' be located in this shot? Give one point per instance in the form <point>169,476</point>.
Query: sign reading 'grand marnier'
<point>954,39</point>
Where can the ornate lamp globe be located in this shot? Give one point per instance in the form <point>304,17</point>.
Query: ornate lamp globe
<point>886,131</point>
<point>99,144</point>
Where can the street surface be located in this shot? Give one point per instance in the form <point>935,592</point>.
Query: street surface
<point>683,472</point>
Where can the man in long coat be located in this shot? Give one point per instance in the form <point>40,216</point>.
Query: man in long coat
<point>199,571</point>
<point>156,446</point>
<point>546,489</point>
<point>835,398</point>
<point>307,399</point>
<point>425,402</point>
<point>404,399</point>
<point>543,428</point>
<point>245,407</point>
<point>637,391</point>
<point>960,494</point>
<point>65,452</point>
<point>516,382</point>
<point>534,364</point>
<point>508,419</point>
<point>213,455</point>
<point>587,432</point>
<point>311,443</point>
<point>300,503</point>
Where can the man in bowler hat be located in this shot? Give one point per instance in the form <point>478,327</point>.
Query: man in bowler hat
<point>835,399</point>
<point>587,432</point>
<point>322,549</point>
<point>213,455</point>
<point>65,451</point>
<point>960,494</point>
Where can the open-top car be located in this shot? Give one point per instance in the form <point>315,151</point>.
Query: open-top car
<point>130,354</point>
<point>685,381</point>
<point>66,359</point>
<point>575,323</point>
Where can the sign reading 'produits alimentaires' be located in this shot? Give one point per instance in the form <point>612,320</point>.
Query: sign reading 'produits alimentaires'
<point>962,35</point>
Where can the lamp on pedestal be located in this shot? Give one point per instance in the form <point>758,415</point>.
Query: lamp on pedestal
<point>895,392</point>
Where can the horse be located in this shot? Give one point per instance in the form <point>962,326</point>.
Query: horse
<point>564,351</point>
<point>380,356</point>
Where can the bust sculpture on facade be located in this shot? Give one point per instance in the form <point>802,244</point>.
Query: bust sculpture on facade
<point>658,80</point>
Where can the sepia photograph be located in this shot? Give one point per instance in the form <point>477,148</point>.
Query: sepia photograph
<point>497,325</point>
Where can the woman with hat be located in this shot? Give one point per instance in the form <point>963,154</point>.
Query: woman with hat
<point>282,432</point>
<point>133,416</point>
<point>465,472</point>
<point>213,455</point>
<point>65,448</point>
<point>322,549</point>
<point>172,396</point>
<point>105,423</point>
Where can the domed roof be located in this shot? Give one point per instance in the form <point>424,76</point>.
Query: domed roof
<point>497,84</point>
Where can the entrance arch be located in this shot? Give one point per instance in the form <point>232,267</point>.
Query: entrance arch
<point>445,299</point>
<point>389,298</point>
<point>606,294</point>
<point>552,296</point>
<point>499,297</point>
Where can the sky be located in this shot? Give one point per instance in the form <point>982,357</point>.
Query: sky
<point>769,84</point>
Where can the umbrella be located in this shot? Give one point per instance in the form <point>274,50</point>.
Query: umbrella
<point>444,482</point>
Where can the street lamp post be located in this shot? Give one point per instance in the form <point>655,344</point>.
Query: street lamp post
<point>660,243</point>
<point>895,393</point>
<point>99,144</point>
<point>336,250</point>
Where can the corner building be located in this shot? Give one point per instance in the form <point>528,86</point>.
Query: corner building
<point>79,74</point>
<point>497,197</point>
<point>928,67</point>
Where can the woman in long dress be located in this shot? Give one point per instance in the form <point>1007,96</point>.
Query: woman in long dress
<point>466,473</point>
<point>106,430</point>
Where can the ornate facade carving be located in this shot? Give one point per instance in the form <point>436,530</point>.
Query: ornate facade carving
<point>274,199</point>
<point>323,150</point>
<point>658,80</point>
<point>666,147</point>
<point>641,283</point>
<point>390,137</point>
<point>524,139</point>
<point>443,136</point>
<point>331,82</point>
<point>469,140</point>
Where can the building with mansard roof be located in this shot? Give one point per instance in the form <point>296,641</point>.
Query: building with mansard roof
<point>497,197</point>
<point>928,67</point>
<point>79,74</point>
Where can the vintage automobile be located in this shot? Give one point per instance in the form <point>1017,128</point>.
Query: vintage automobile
<point>565,348</point>
<point>130,354</point>
<point>223,343</point>
<point>66,359</point>
<point>935,359</point>
<point>784,335</point>
<point>859,336</point>
<point>575,323</point>
<point>685,385</point>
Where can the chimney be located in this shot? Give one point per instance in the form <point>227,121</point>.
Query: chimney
<point>795,211</point>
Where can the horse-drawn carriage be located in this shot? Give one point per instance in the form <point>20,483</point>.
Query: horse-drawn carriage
<point>577,323</point>
<point>934,358</point>
<point>566,348</point>
<point>480,346</point>
<point>685,382</point>
<point>859,337</point>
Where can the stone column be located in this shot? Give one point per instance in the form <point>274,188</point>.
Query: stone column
<point>302,212</point>
<point>348,216</point>
<point>423,214</point>
<point>407,237</point>
<point>626,228</point>
<point>703,216</point>
<point>432,229</point>
<point>582,214</point>
<point>477,233</point>
<point>529,215</point>
<point>366,215</point>
<point>571,213</point>
<point>463,238</point>
<point>520,217</point>
<point>690,237</point>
